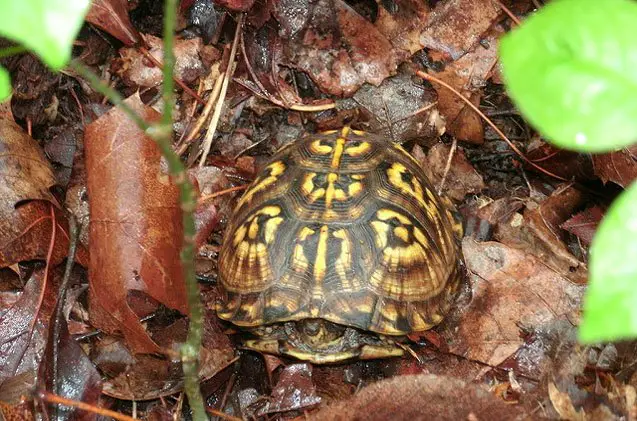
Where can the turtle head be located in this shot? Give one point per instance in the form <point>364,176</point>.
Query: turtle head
<point>321,342</point>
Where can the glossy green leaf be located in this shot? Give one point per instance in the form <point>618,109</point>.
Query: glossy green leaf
<point>47,27</point>
<point>571,69</point>
<point>5,84</point>
<point>610,306</point>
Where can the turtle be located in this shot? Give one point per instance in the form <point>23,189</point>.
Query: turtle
<point>339,249</point>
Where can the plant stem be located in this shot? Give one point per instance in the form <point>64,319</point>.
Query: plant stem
<point>188,200</point>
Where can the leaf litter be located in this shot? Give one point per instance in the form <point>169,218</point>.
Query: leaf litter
<point>508,351</point>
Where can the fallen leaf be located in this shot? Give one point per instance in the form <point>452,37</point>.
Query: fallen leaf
<point>511,290</point>
<point>455,26</point>
<point>399,109</point>
<point>135,229</point>
<point>294,391</point>
<point>420,397</point>
<point>584,224</point>
<point>112,17</point>
<point>137,70</point>
<point>619,167</point>
<point>402,23</point>
<point>339,49</point>
<point>462,179</point>
<point>563,405</point>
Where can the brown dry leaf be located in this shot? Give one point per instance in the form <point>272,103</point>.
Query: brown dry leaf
<point>462,179</point>
<point>143,377</point>
<point>566,164</point>
<point>455,26</point>
<point>136,69</point>
<point>562,403</point>
<point>112,17</point>
<point>402,23</point>
<point>467,75</point>
<point>399,109</point>
<point>584,224</point>
<point>26,205</point>
<point>21,411</point>
<point>511,291</point>
<point>135,228</point>
<point>619,167</point>
<point>421,397</point>
<point>236,5</point>
<point>339,49</point>
<point>540,233</point>
<point>294,391</point>
<point>23,331</point>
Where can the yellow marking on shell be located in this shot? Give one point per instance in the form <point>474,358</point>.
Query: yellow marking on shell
<point>239,235</point>
<point>250,310</point>
<point>344,261</point>
<point>402,233</point>
<point>330,191</point>
<point>253,231</point>
<point>386,214</point>
<point>338,152</point>
<point>380,235</point>
<point>354,189</point>
<point>359,149</point>
<point>319,149</point>
<point>407,154</point>
<point>320,263</point>
<point>270,229</point>
<point>345,131</point>
<point>316,194</point>
<point>308,183</point>
<point>276,169</point>
<point>328,132</point>
<point>436,318</point>
<point>358,132</point>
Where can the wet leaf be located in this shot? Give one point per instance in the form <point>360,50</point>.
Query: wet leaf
<point>112,17</point>
<point>135,229</point>
<point>620,167</point>
<point>420,397</point>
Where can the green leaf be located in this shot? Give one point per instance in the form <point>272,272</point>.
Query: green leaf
<point>48,27</point>
<point>571,69</point>
<point>5,84</point>
<point>610,306</point>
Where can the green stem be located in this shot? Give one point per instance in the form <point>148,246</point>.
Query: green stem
<point>190,350</point>
<point>110,93</point>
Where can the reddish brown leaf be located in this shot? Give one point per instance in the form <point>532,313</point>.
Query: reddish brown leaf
<point>112,17</point>
<point>138,71</point>
<point>511,290</point>
<point>566,164</point>
<point>456,26</point>
<point>584,224</point>
<point>540,233</point>
<point>403,24</point>
<point>420,397</point>
<point>619,167</point>
<point>135,229</point>
<point>334,45</point>
<point>26,203</point>
<point>294,390</point>
<point>400,108</point>
<point>467,75</point>
<point>462,179</point>
<point>236,5</point>
<point>24,328</point>
<point>67,371</point>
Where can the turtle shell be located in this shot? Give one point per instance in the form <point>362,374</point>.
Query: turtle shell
<point>341,226</point>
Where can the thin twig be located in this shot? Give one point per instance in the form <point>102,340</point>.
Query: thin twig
<point>214,121</point>
<point>454,145</point>
<point>178,81</point>
<point>490,123</point>
<point>53,398</point>
<point>508,12</point>
<point>204,114</point>
<point>111,94</point>
<point>211,196</point>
